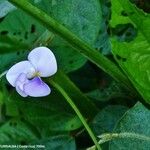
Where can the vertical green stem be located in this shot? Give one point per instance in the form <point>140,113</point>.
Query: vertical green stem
<point>69,100</point>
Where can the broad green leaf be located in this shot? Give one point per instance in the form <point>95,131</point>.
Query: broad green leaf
<point>107,118</point>
<point>5,7</point>
<point>82,17</point>
<point>50,113</point>
<point>136,120</point>
<point>133,56</point>
<point>112,91</point>
<point>9,59</point>
<point>18,33</point>
<point>124,12</point>
<point>103,42</point>
<point>16,132</point>
<point>68,59</point>
<point>60,142</point>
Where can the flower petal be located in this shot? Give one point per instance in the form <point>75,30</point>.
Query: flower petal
<point>36,88</point>
<point>17,69</point>
<point>20,91</point>
<point>43,60</point>
<point>20,81</point>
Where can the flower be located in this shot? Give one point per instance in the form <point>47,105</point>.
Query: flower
<point>25,75</point>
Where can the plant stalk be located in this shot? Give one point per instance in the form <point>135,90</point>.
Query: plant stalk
<point>75,108</point>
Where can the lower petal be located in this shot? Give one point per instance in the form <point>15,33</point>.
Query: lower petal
<point>21,80</point>
<point>20,91</point>
<point>36,88</point>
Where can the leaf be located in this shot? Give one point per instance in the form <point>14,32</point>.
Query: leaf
<point>82,17</point>
<point>103,43</point>
<point>86,82</point>
<point>5,7</point>
<point>107,118</point>
<point>60,142</point>
<point>112,91</point>
<point>68,59</point>
<point>16,132</point>
<point>134,54</point>
<point>50,113</point>
<point>9,59</point>
<point>26,30</point>
<point>136,120</point>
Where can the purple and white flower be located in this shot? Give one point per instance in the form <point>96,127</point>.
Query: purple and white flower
<point>26,75</point>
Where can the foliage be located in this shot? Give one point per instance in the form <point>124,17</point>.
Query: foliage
<point>131,122</point>
<point>102,49</point>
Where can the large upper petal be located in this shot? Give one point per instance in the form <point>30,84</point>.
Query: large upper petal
<point>36,88</point>
<point>21,67</point>
<point>43,60</point>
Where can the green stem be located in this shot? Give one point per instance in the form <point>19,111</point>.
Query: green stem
<point>80,100</point>
<point>3,73</point>
<point>81,46</point>
<point>86,106</point>
<point>69,100</point>
<point>111,136</point>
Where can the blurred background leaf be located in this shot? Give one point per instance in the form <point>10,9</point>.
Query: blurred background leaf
<point>15,132</point>
<point>61,142</point>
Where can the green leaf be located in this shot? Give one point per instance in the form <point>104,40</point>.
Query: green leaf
<point>133,56</point>
<point>18,33</point>
<point>5,8</point>
<point>103,42</point>
<point>82,17</point>
<point>136,120</point>
<point>124,12</point>
<point>50,113</point>
<point>112,91</point>
<point>9,59</point>
<point>16,132</point>
<point>107,118</point>
<point>60,142</point>
<point>68,59</point>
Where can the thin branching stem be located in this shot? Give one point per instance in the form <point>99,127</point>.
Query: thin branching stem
<point>75,108</point>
